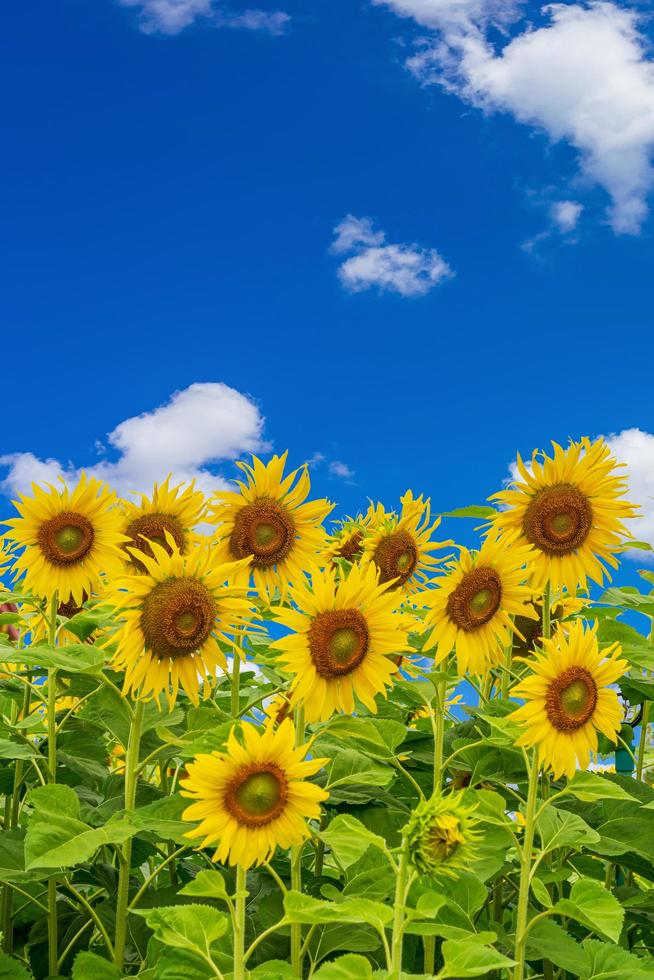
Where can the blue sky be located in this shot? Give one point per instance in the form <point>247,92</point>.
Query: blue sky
<point>174,171</point>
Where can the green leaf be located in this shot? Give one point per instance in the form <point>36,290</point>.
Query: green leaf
<point>345,968</point>
<point>430,903</point>
<point>608,962</point>
<point>349,839</point>
<point>90,966</point>
<point>57,841</point>
<point>207,884</point>
<point>57,800</point>
<point>16,750</point>
<point>559,828</point>
<point>273,970</point>
<point>595,907</point>
<point>469,959</point>
<point>163,818</point>
<point>379,738</point>
<point>75,658</point>
<point>549,941</point>
<point>11,969</point>
<point>628,598</point>
<point>350,774</point>
<point>312,911</point>
<point>540,891</point>
<point>187,927</point>
<point>478,511</point>
<point>589,786</point>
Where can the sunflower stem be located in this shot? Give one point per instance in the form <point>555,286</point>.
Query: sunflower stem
<point>239,923</point>
<point>296,864</point>
<point>525,870</point>
<point>429,954</point>
<point>398,916</point>
<point>131,777</point>
<point>53,939</point>
<point>547,617</point>
<point>439,732</point>
<point>644,725</point>
<point>236,684</point>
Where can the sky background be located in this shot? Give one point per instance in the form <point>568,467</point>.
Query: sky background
<point>404,240</point>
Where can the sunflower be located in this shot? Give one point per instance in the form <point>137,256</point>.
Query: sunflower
<point>347,540</point>
<point>442,836</point>
<point>69,538</point>
<point>344,633</point>
<point>173,618</point>
<point>253,797</point>
<point>568,698</point>
<point>470,608</point>
<point>400,547</point>
<point>176,510</point>
<point>569,508</point>
<point>270,522</point>
<point>529,632</point>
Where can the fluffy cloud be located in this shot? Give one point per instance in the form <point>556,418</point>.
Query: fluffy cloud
<point>409,270</point>
<point>197,428</point>
<point>585,78</point>
<point>172,16</point>
<point>635,448</point>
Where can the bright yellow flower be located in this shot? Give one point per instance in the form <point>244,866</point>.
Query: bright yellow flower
<point>253,798</point>
<point>176,510</point>
<point>270,522</point>
<point>400,547</point>
<point>570,508</point>
<point>344,633</point>
<point>173,617</point>
<point>69,538</point>
<point>470,608</point>
<point>568,698</point>
<point>347,539</point>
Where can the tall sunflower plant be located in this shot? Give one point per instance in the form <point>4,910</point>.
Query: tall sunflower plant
<point>239,741</point>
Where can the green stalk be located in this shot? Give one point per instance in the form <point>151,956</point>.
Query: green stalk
<point>525,871</point>
<point>398,916</point>
<point>239,924</point>
<point>429,954</point>
<point>642,744</point>
<point>131,777</point>
<point>236,684</point>
<point>53,939</point>
<point>296,865</point>
<point>547,621</point>
<point>438,725</point>
<point>12,809</point>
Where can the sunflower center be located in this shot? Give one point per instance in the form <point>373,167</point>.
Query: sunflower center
<point>257,794</point>
<point>444,837</point>
<point>264,530</point>
<point>571,699</point>
<point>178,617</point>
<point>351,546</point>
<point>338,642</point>
<point>153,527</point>
<point>396,557</point>
<point>476,599</point>
<point>66,538</point>
<point>558,519</point>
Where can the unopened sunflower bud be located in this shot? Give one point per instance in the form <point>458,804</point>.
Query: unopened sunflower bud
<point>442,836</point>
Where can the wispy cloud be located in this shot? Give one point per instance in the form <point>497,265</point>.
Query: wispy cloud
<point>341,469</point>
<point>199,427</point>
<point>172,16</point>
<point>409,270</point>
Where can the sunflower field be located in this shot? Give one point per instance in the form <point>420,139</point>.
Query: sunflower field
<point>240,741</point>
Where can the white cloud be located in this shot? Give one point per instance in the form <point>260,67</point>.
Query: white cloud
<point>198,427</point>
<point>341,469</point>
<point>172,16</point>
<point>636,448</point>
<point>565,215</point>
<point>409,270</point>
<point>585,78</point>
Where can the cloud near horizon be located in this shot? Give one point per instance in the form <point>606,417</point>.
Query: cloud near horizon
<point>198,428</point>
<point>173,16</point>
